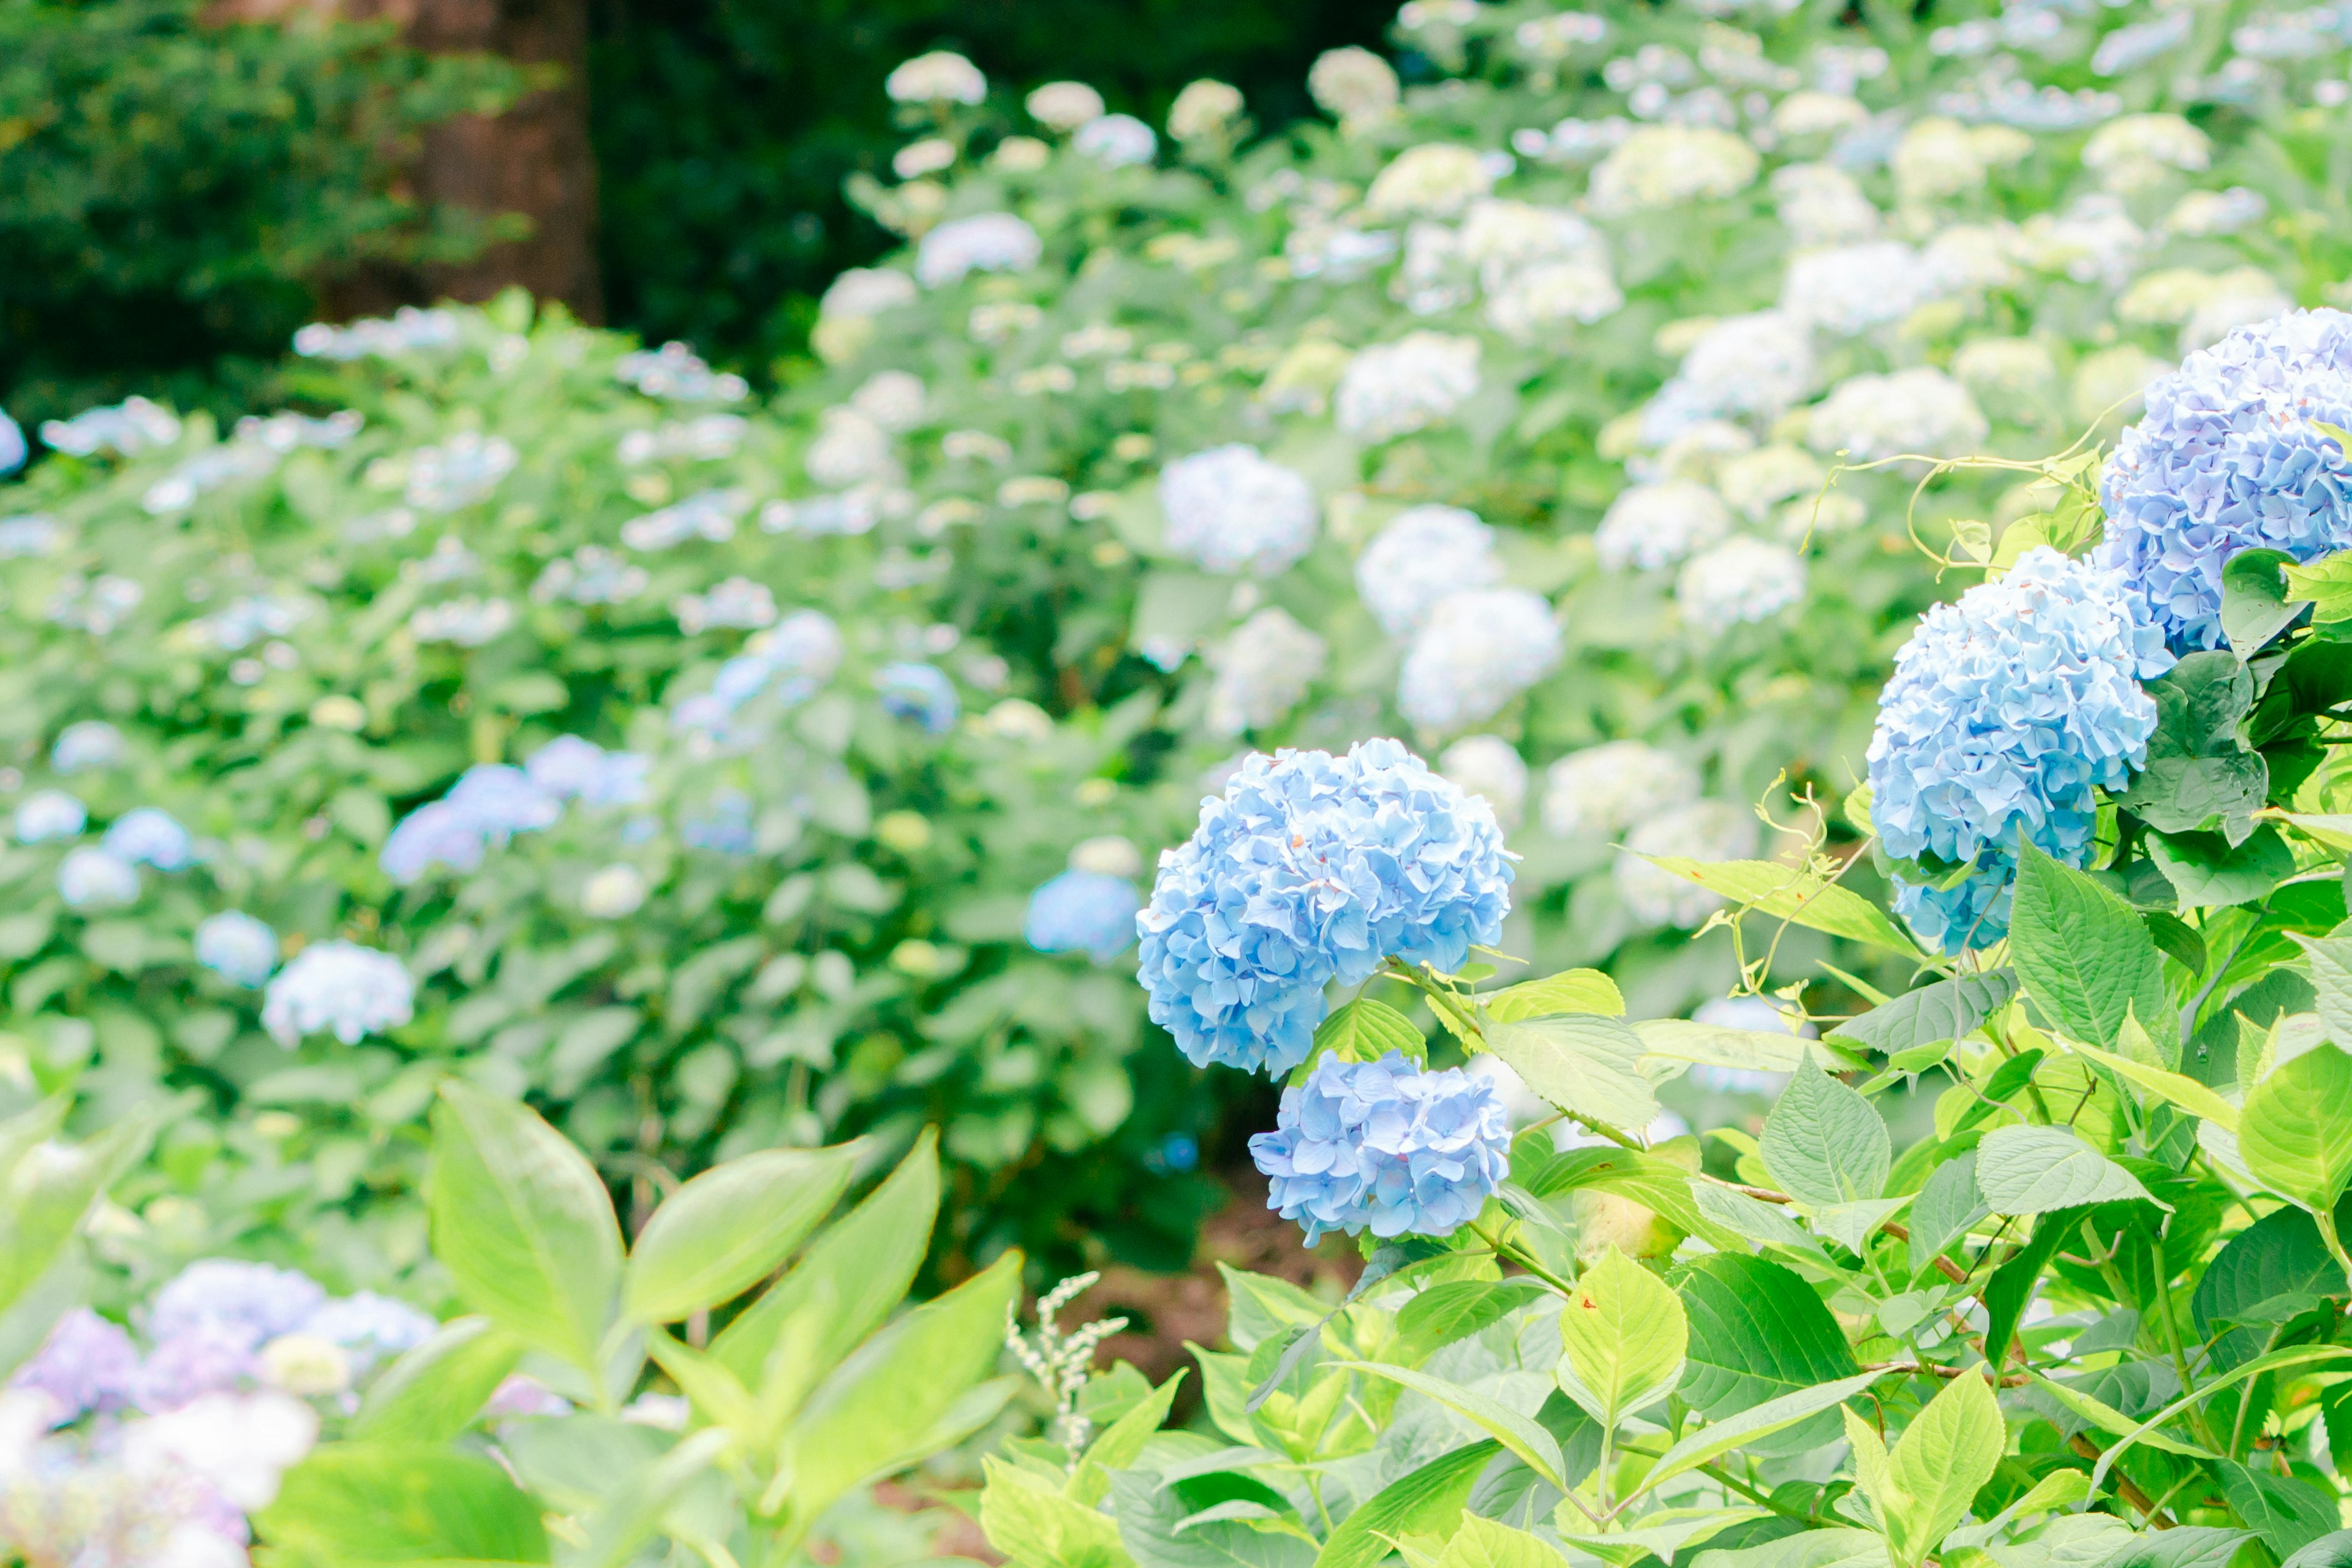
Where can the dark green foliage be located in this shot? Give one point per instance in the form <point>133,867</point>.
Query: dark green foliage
<point>171,194</point>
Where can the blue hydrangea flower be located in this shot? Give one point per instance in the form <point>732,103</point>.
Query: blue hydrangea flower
<point>370,1326</point>
<point>342,987</point>
<point>85,1364</point>
<point>94,878</point>
<point>725,826</point>
<point>238,947</point>
<point>251,1302</point>
<point>2007,712</point>
<point>1313,868</point>
<point>920,694</point>
<point>184,1366</point>
<point>90,744</point>
<point>153,836</point>
<point>1083,912</point>
<point>569,768</point>
<point>435,834</point>
<point>2228,458</point>
<point>500,800</point>
<point>13,450</point>
<point>49,813</point>
<point>1386,1147</point>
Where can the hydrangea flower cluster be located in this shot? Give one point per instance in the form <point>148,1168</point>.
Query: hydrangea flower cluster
<point>2007,712</point>
<point>339,987</point>
<point>1311,869</point>
<point>1479,649</point>
<point>1393,389</point>
<point>920,694</point>
<point>1743,579</point>
<point>2230,457</point>
<point>1603,790</point>
<point>238,947</point>
<point>1230,510</point>
<point>1491,768</point>
<point>788,663</point>
<point>1083,912</point>
<point>1385,1147</point>
<point>1263,670</point>
<point>984,242</point>
<point>1654,525</point>
<point>1424,553</point>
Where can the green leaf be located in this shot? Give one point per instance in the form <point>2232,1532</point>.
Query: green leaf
<point>2326,584</point>
<point>2026,1170</point>
<point>2255,608</point>
<point>1570,991</point>
<point>2084,956</point>
<point>2333,1550</point>
<point>1489,1543</point>
<point>1426,1502</point>
<point>2206,871</point>
<point>2329,830</point>
<point>524,1226</point>
<point>1947,1452</point>
<point>2329,960</point>
<point>1823,1142</point>
<point>1686,1040</point>
<point>1806,1549</point>
<point>1797,894</point>
<point>1581,1063</point>
<point>1169,1526</point>
<point>1623,1338</point>
<point>1029,1519</point>
<point>1946,1010</point>
<point>1365,1030</point>
<point>357,1505</point>
<point>2097,1413</point>
<point>1121,1443</point>
<point>1757,1331</point>
<point>1717,1438</point>
<point>1947,1205</point>
<point>2183,1546</point>
<point>903,1396</point>
<point>860,1266</point>
<point>2198,774</point>
<point>729,1228</point>
<point>2288,1512</point>
<point>2273,1360</point>
<point>1456,1309</point>
<point>434,1390</point>
<point>2011,1287</point>
<point>1536,1447</point>
<point>2274,1270</point>
<point>2174,1089</point>
<point>2295,1132</point>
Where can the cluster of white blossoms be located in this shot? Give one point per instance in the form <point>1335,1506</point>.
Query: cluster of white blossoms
<point>1263,670</point>
<point>1478,649</point>
<point>1231,510</point>
<point>1920,411</point>
<point>1653,525</point>
<point>1393,389</point>
<point>1743,579</point>
<point>1421,556</point>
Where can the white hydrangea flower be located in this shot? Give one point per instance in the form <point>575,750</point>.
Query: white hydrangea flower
<point>2202,214</point>
<point>1743,579</point>
<point>339,987</point>
<point>893,399</point>
<point>736,604</point>
<point>867,291</point>
<point>1967,258</point>
<point>850,448</point>
<point>1437,177</point>
<point>1393,389</point>
<point>1753,483</point>
<point>1602,791</point>
<point>1706,830</point>
<point>1354,85</point>
<point>464,622</point>
<point>2137,151</point>
<point>940,77</point>
<point>2005,367</point>
<point>1854,288</point>
<point>1106,855</point>
<point>2240,298</point>
<point>1755,366</point>
<point>1937,159</point>
<point>1550,295</point>
<point>928,156</point>
<point>1666,165</point>
<point>1490,767</point>
<point>1262,671</point>
<point>1115,141</point>
<point>1203,109</point>
<point>1478,649</point>
<point>613,893</point>
<point>984,242</point>
<point>1654,525</point>
<point>1920,410</point>
<point>1821,204</point>
<point>1230,510</point>
<point>1809,112</point>
<point>1423,554</point>
<point>1064,105</point>
<point>2093,241</point>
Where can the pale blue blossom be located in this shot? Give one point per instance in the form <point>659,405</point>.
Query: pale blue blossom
<point>2230,457</point>
<point>370,1326</point>
<point>1083,912</point>
<point>13,450</point>
<point>569,768</point>
<point>253,1302</point>
<point>153,836</point>
<point>1384,1146</point>
<point>90,743</point>
<point>49,813</point>
<point>94,878</point>
<point>238,947</point>
<point>2007,712</point>
<point>1312,868</point>
<point>86,1364</point>
<point>920,694</point>
<point>340,988</point>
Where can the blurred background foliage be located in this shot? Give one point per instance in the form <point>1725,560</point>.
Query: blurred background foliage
<point>183,182</point>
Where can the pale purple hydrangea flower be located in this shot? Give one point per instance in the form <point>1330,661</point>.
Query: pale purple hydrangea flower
<point>238,947</point>
<point>1083,912</point>
<point>86,1365</point>
<point>339,987</point>
<point>149,834</point>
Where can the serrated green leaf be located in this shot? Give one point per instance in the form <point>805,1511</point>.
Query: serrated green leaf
<point>2084,956</point>
<point>1823,1142</point>
<point>2295,1134</point>
<point>1366,1030</point>
<point>2027,1170</point>
<point>1423,1501</point>
<point>1582,1063</point>
<point>1570,991</point>
<point>1796,894</point>
<point>1623,1338</point>
<point>1757,1331</point>
<point>1717,1438</point>
<point>1946,1010</point>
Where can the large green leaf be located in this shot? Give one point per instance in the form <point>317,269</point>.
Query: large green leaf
<point>2206,871</point>
<point>1687,1040</point>
<point>2198,772</point>
<point>2288,1512</point>
<point>1582,1063</point>
<point>2084,955</point>
<point>434,1390</point>
<point>1833,1548</point>
<point>1426,1502</point>
<point>854,1272</point>
<point>1569,991</point>
<point>2295,1132</point>
<point>1032,1522</point>
<point>1162,1529</point>
<point>1367,1029</point>
<point>2026,1170</point>
<point>1797,894</point>
<point>1947,1452</point>
<point>2333,1550</point>
<point>1823,1142</point>
<point>729,1228</point>
<point>1622,1337</point>
<point>2275,1269</point>
<point>1947,1009</point>
<point>1489,1543</point>
<point>1536,1447</point>
<point>904,1396</point>
<point>1757,1331</point>
<point>1716,1439</point>
<point>357,1505</point>
<point>2329,960</point>
<point>523,1224</point>
<point>1457,1308</point>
